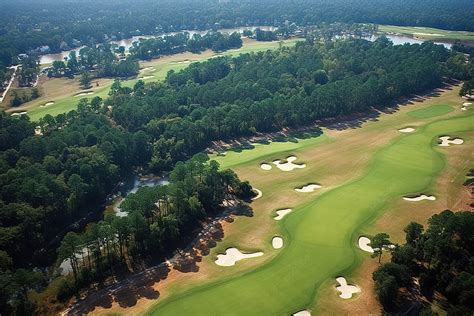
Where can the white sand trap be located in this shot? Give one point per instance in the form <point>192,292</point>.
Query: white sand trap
<point>82,94</point>
<point>146,77</point>
<point>259,194</point>
<point>147,69</point>
<point>364,244</point>
<point>232,255</point>
<point>281,213</point>
<point>308,188</point>
<point>266,166</point>
<point>346,290</point>
<point>420,197</point>
<point>465,105</point>
<point>407,130</point>
<point>427,34</point>
<point>288,165</point>
<point>447,141</point>
<point>302,313</point>
<point>277,242</point>
<point>46,104</point>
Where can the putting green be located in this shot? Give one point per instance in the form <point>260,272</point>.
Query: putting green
<point>320,234</point>
<point>431,111</point>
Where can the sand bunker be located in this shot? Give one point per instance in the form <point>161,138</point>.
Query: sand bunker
<point>407,130</point>
<point>277,242</point>
<point>46,104</point>
<point>465,105</point>
<point>82,94</point>
<point>18,113</point>
<point>288,165</point>
<point>427,34</point>
<point>259,194</point>
<point>364,244</point>
<point>308,188</point>
<point>302,313</point>
<point>447,141</point>
<point>420,197</point>
<point>146,77</point>
<point>147,69</point>
<point>346,289</point>
<point>266,166</point>
<point>281,213</point>
<point>232,255</point>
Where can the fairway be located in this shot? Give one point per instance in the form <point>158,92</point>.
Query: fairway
<point>62,91</point>
<point>320,233</point>
<point>428,33</point>
<point>432,111</point>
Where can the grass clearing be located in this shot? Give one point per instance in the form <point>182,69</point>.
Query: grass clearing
<point>432,111</point>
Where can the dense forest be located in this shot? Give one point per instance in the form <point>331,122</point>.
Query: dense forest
<point>51,183</point>
<point>438,262</point>
<point>28,25</point>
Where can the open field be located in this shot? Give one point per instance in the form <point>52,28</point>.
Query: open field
<point>364,173</point>
<point>63,91</point>
<point>429,33</point>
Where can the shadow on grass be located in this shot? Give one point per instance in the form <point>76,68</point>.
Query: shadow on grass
<point>125,294</point>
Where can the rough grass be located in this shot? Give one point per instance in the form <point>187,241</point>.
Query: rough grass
<point>362,172</point>
<point>432,111</point>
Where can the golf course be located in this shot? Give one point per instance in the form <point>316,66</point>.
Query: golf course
<point>363,176</point>
<point>61,95</point>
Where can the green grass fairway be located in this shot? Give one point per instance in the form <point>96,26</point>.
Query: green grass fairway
<point>319,235</point>
<point>432,111</point>
<point>429,33</point>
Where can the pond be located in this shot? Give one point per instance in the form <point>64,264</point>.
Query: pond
<point>136,183</point>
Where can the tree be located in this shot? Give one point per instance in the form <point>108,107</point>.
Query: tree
<point>379,242</point>
<point>69,249</point>
<point>413,231</point>
<point>387,291</point>
<point>26,280</point>
<point>115,88</point>
<point>85,80</point>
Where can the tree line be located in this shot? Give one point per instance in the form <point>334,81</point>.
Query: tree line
<point>438,261</point>
<point>145,49</point>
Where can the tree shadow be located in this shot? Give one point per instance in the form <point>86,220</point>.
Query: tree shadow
<point>126,293</point>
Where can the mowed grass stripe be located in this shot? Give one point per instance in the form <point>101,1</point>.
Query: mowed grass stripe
<point>431,111</point>
<point>319,235</point>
